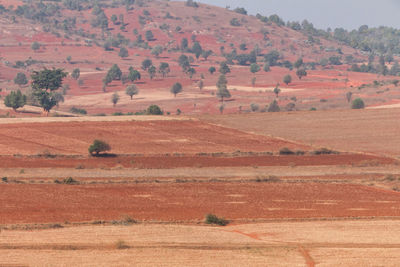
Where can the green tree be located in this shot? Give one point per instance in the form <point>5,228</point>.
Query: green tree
<point>131,90</point>
<point>164,69</point>
<point>254,68</point>
<point>157,50</point>
<point>146,64</point>
<point>15,100</point>
<point>298,63</point>
<point>206,53</point>
<point>152,72</point>
<point>191,72</point>
<point>35,46</point>
<point>287,79</point>
<point>272,58</point>
<point>154,110</point>
<point>357,103</point>
<point>184,44</point>
<point>224,68</point>
<point>274,107</point>
<point>176,89</point>
<point>222,88</point>
<point>266,67</point>
<point>44,85</point>
<point>211,70</point>
<point>123,52</point>
<point>114,19</point>
<point>184,63</point>
<point>134,75</point>
<point>301,73</point>
<point>197,49</point>
<point>20,79</point>
<point>115,99</point>
<point>76,73</point>
<point>149,35</point>
<point>98,146</point>
<point>277,91</point>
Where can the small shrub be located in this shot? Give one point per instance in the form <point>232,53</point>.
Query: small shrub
<point>121,245</point>
<point>154,110</point>
<point>4,179</point>
<point>78,111</point>
<point>213,219</point>
<point>286,151</point>
<point>324,151</point>
<point>357,103</point>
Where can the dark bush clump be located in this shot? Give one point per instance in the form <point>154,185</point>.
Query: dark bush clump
<point>286,151</point>
<point>213,219</point>
<point>98,146</point>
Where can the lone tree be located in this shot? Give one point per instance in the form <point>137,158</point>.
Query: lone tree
<point>211,70</point>
<point>131,90</point>
<point>191,72</point>
<point>146,64</point>
<point>114,73</point>
<point>149,35</point>
<point>164,69</point>
<point>222,89</point>
<point>301,73</point>
<point>254,68</point>
<point>357,103</point>
<point>277,90</point>
<point>157,50</point>
<point>154,110</point>
<point>123,52</point>
<point>152,72</point>
<point>224,68</point>
<point>76,73</point>
<point>133,75</point>
<point>35,46</point>
<point>115,98</point>
<point>197,49</point>
<point>274,107</point>
<point>15,100</point>
<point>20,79</point>
<point>98,146</point>
<point>184,63</point>
<point>287,79</point>
<point>45,83</point>
<point>176,89</point>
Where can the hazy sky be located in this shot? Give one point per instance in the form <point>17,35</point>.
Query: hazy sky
<point>348,14</point>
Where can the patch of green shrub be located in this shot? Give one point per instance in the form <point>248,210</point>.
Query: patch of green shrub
<point>213,219</point>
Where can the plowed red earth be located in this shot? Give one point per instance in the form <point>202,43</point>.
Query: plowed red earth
<point>191,201</point>
<point>165,162</point>
<point>132,137</point>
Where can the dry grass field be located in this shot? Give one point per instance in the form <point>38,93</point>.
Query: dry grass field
<point>371,131</point>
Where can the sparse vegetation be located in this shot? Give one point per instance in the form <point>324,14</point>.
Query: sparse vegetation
<point>213,219</point>
<point>98,147</point>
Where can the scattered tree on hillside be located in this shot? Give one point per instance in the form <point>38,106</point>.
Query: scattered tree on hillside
<point>123,52</point>
<point>44,85</point>
<point>146,64</point>
<point>149,35</point>
<point>154,110</point>
<point>184,63</point>
<point>76,73</point>
<point>191,3</point>
<point>115,98</point>
<point>206,53</point>
<point>240,10</point>
<point>358,103</point>
<point>131,90</point>
<point>164,69</point>
<point>184,44</point>
<point>15,100</point>
<point>35,46</point>
<point>266,67</point>
<point>277,90</point>
<point>191,72</point>
<point>211,70</point>
<point>254,68</point>
<point>152,72</point>
<point>272,58</point>
<point>234,22</point>
<point>224,68</point>
<point>298,63</point>
<point>253,81</point>
<point>222,88</point>
<point>197,49</point>
<point>243,46</point>
<point>114,19</point>
<point>287,79</point>
<point>176,89</point>
<point>157,50</point>
<point>69,58</point>
<point>201,85</point>
<point>114,73</point>
<point>134,75</point>
<point>274,107</point>
<point>20,79</point>
<point>301,73</point>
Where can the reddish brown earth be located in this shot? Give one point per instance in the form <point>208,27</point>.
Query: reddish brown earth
<point>183,202</point>
<point>144,137</point>
<point>166,162</point>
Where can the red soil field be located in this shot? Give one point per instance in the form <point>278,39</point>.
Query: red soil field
<point>166,162</point>
<point>144,137</point>
<point>191,201</point>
